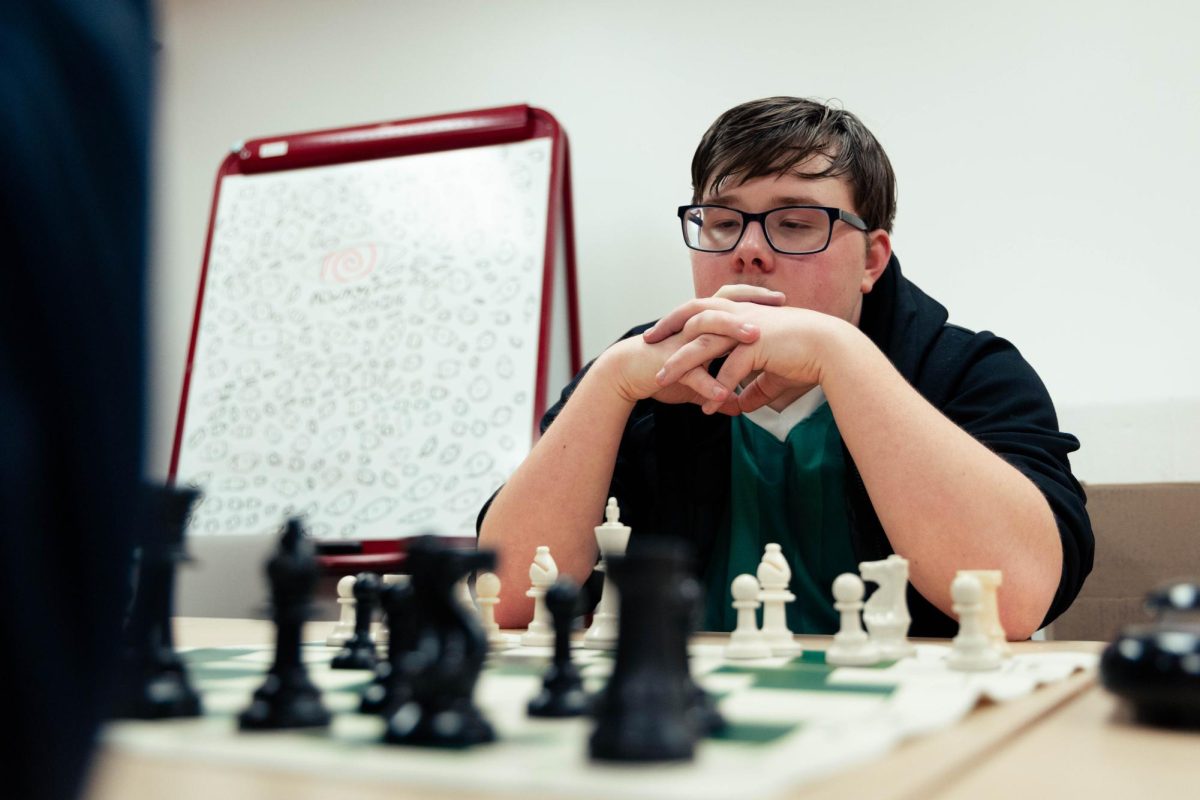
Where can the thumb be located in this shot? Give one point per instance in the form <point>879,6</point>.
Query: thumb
<point>762,390</point>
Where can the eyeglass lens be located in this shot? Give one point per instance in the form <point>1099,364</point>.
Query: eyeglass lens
<point>792,230</point>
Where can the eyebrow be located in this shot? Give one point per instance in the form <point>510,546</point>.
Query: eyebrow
<point>776,202</point>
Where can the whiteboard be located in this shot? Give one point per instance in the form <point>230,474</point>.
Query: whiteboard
<point>367,344</point>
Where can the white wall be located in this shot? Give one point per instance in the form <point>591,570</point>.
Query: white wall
<point>1046,153</point>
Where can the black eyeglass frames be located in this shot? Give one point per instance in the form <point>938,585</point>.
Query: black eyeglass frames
<point>790,230</point>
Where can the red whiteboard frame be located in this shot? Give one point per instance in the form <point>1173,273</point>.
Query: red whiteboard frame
<point>431,134</point>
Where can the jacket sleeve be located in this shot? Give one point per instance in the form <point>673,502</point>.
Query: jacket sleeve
<point>992,393</point>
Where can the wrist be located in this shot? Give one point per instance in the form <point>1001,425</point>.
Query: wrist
<point>842,349</point>
<point>610,375</point>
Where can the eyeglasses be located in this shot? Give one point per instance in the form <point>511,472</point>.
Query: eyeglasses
<point>791,230</point>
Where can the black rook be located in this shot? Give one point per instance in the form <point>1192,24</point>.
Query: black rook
<point>153,682</point>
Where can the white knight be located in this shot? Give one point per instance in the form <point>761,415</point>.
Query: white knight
<point>886,611</point>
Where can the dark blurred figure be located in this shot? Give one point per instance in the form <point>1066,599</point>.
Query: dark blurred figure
<point>75,81</point>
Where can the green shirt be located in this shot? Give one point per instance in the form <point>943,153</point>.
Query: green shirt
<point>790,492</point>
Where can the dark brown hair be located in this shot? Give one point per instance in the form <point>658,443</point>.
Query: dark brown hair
<point>774,135</point>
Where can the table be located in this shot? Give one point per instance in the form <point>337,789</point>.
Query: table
<point>1070,738</point>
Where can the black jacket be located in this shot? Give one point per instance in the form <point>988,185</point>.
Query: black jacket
<point>672,471</point>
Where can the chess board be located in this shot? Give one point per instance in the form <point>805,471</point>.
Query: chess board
<point>791,721</point>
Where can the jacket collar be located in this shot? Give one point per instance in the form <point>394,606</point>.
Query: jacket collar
<point>901,319</point>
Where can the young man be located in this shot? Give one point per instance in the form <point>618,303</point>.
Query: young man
<point>810,395</point>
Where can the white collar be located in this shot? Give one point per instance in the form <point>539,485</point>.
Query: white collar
<point>780,423</point>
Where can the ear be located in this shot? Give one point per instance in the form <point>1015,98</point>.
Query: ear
<point>879,252</point>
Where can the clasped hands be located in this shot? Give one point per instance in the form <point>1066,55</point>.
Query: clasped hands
<point>772,351</point>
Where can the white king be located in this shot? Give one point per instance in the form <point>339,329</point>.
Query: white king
<point>612,537</point>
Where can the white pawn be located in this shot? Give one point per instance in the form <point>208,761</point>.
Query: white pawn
<point>851,646</point>
<point>487,595</point>
<point>746,640</point>
<point>543,572</point>
<point>774,574</point>
<point>612,538</point>
<point>990,580</point>
<point>343,629</point>
<point>972,650</point>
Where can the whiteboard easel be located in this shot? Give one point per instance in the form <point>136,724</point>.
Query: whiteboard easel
<point>382,314</point>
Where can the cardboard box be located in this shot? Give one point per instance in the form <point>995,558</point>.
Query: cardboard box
<point>1147,534</point>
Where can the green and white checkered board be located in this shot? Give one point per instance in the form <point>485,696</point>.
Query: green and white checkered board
<point>790,721</point>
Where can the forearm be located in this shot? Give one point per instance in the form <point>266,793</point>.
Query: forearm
<point>556,496</point>
<point>946,501</point>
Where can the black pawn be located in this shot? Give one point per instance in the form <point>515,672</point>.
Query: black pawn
<point>647,711</point>
<point>154,683</point>
<point>288,699</point>
<point>359,650</point>
<point>562,692</point>
<point>392,685</point>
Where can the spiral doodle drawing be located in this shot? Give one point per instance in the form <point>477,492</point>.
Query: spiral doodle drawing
<point>349,265</point>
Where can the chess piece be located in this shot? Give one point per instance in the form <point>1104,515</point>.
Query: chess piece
<point>851,647</point>
<point>153,681</point>
<point>703,707</point>
<point>448,648</point>
<point>288,698</point>
<point>886,611</point>
<point>746,641</point>
<point>343,629</point>
<point>1152,666</point>
<point>487,596</point>
<point>774,575</point>
<point>359,650</point>
<point>543,572</point>
<point>972,650</point>
<point>990,580</point>
<point>463,590</point>
<point>392,684</point>
<point>612,538</point>
<point>386,580</point>
<point>562,692</point>
<point>647,711</point>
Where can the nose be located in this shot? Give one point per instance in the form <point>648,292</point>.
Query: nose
<point>753,253</point>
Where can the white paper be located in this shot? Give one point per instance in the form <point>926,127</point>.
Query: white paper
<point>368,343</point>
